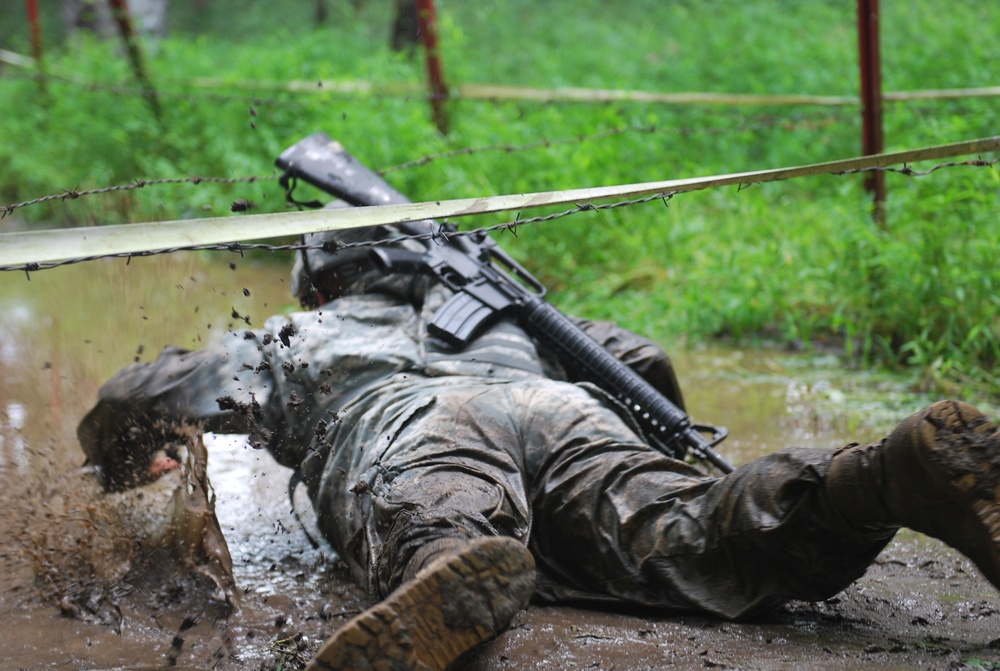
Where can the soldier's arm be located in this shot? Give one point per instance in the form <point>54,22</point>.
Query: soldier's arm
<point>145,407</point>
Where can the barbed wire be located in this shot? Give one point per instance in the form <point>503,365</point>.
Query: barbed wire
<point>445,231</point>
<point>749,124</point>
<point>910,172</point>
<point>765,121</point>
<point>72,194</point>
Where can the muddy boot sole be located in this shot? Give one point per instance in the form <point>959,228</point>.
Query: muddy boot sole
<point>959,449</point>
<point>454,604</point>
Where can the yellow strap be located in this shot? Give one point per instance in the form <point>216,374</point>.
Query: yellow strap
<point>18,249</point>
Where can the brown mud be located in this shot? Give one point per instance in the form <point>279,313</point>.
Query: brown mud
<point>89,581</point>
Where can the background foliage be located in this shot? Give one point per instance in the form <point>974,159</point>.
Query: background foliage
<point>800,262</point>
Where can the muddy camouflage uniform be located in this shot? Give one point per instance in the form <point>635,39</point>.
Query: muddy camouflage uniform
<point>401,440</point>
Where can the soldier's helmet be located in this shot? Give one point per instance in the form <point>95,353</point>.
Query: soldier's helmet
<point>330,263</point>
<point>332,260</point>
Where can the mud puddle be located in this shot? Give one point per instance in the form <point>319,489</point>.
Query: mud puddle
<point>84,583</point>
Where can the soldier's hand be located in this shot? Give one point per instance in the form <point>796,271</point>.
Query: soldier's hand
<point>162,464</point>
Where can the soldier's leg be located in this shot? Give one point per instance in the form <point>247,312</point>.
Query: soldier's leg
<point>445,521</point>
<point>783,527</point>
<point>617,519</point>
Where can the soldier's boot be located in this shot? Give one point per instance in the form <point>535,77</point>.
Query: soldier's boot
<point>455,595</point>
<point>937,473</point>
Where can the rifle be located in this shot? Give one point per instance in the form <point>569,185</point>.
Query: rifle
<point>489,284</point>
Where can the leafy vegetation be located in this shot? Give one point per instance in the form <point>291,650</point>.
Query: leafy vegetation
<point>801,262</point>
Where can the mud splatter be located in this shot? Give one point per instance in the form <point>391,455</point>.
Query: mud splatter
<point>287,331</point>
<point>194,533</point>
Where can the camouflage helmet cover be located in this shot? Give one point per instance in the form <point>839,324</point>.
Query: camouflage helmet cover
<point>325,261</point>
<point>329,262</point>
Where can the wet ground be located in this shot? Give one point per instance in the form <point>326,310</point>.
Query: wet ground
<point>86,581</point>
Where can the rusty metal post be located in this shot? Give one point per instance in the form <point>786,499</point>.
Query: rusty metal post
<point>119,10</point>
<point>427,21</point>
<point>872,137</point>
<point>36,41</point>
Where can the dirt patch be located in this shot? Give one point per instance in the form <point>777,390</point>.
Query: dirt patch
<point>920,606</point>
<point>90,593</point>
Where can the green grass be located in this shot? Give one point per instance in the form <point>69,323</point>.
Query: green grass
<point>799,262</point>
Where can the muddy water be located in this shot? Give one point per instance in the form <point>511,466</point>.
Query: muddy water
<point>84,583</point>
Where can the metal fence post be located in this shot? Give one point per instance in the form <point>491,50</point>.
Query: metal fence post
<point>119,10</point>
<point>427,21</point>
<point>36,41</point>
<point>872,136</point>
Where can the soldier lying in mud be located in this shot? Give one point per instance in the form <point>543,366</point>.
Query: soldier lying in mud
<point>458,483</point>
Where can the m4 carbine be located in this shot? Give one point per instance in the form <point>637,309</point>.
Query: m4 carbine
<point>489,284</point>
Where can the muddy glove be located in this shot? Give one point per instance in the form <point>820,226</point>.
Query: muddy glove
<point>640,354</point>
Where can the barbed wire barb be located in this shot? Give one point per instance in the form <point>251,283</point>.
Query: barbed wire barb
<point>910,172</point>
